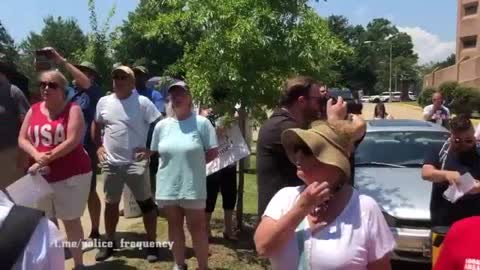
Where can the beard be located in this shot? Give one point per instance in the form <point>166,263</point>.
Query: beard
<point>469,157</point>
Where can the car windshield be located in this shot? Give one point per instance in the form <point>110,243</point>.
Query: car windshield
<point>397,149</point>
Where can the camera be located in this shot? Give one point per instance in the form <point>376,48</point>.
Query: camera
<point>353,107</point>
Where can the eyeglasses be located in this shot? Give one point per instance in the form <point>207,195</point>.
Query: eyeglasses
<point>120,77</point>
<point>50,85</point>
<point>466,141</point>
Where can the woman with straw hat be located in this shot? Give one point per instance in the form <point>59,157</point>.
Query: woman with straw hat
<point>325,224</point>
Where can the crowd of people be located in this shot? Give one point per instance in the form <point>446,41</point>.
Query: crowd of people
<point>158,146</point>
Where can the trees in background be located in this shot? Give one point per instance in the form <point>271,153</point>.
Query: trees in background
<point>65,35</point>
<point>369,66</point>
<point>8,52</point>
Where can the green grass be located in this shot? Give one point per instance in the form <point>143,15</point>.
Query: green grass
<point>224,255</point>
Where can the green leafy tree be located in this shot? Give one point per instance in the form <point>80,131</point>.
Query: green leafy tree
<point>134,47</point>
<point>247,47</point>
<point>8,52</point>
<point>64,35</point>
<point>98,50</point>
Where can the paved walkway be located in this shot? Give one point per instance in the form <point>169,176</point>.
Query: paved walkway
<point>397,110</point>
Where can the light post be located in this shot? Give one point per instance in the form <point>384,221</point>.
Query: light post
<point>388,38</point>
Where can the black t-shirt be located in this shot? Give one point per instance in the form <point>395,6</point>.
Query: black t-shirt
<point>274,169</point>
<point>443,212</point>
<point>13,104</point>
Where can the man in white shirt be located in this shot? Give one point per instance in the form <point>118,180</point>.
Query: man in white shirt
<point>43,251</point>
<point>436,112</point>
<point>125,116</point>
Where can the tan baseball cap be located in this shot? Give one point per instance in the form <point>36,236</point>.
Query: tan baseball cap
<point>328,143</point>
<point>124,69</point>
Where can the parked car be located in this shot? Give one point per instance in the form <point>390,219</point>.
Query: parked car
<point>365,99</point>
<point>388,166</point>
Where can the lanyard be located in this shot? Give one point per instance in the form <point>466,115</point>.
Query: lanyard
<point>300,236</point>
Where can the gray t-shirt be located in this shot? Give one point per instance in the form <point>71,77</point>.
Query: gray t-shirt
<point>13,105</point>
<point>126,125</point>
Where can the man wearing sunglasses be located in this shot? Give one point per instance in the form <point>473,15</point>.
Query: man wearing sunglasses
<point>300,104</point>
<point>125,116</point>
<point>444,166</point>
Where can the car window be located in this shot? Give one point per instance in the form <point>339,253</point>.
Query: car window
<point>400,148</point>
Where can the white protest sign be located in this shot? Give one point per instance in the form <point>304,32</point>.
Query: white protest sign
<point>231,148</point>
<point>29,190</point>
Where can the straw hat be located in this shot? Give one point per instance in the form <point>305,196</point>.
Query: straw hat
<point>330,143</point>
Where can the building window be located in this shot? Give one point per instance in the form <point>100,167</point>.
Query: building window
<point>469,42</point>
<point>470,9</point>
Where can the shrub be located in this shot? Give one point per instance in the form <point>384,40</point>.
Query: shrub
<point>465,100</point>
<point>425,97</point>
<point>448,90</point>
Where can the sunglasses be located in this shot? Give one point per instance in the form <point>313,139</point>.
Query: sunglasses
<point>120,77</point>
<point>466,141</point>
<point>50,85</point>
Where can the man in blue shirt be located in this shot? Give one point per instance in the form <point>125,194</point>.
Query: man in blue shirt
<point>141,78</point>
<point>87,99</point>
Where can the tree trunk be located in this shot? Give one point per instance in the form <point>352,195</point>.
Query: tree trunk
<point>241,172</point>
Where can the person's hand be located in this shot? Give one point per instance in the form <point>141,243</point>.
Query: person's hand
<point>56,57</point>
<point>452,177</point>
<point>33,170</point>
<point>42,158</point>
<point>101,154</point>
<point>315,194</point>
<point>141,153</point>
<point>476,188</point>
<point>360,127</point>
<point>337,111</point>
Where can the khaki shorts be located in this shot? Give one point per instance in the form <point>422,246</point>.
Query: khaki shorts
<point>69,198</point>
<point>8,163</point>
<point>133,175</point>
<point>185,204</point>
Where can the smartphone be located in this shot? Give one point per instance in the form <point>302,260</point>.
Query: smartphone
<point>43,59</point>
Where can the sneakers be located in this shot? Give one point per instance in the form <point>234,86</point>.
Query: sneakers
<point>152,254</point>
<point>180,267</point>
<point>106,251</point>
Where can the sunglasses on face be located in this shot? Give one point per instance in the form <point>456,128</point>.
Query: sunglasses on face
<point>50,85</point>
<point>465,141</point>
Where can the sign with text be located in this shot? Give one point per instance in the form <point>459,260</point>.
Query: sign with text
<point>231,148</point>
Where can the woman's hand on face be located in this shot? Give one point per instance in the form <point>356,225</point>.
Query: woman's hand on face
<point>315,194</point>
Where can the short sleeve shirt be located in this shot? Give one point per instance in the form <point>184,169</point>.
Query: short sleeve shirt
<point>156,97</point>
<point>126,124</point>
<point>444,213</point>
<point>439,117</point>
<point>182,146</point>
<point>13,104</point>
<point>460,250</point>
<point>87,100</point>
<point>357,237</point>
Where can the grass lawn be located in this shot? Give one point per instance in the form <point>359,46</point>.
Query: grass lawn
<point>224,255</point>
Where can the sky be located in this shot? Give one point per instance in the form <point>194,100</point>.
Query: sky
<point>431,23</point>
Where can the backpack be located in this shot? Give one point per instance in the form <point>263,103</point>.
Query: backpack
<point>15,233</point>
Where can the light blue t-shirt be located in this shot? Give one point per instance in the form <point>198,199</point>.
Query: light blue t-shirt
<point>182,146</point>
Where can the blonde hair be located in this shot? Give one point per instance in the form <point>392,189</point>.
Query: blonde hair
<point>61,80</point>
